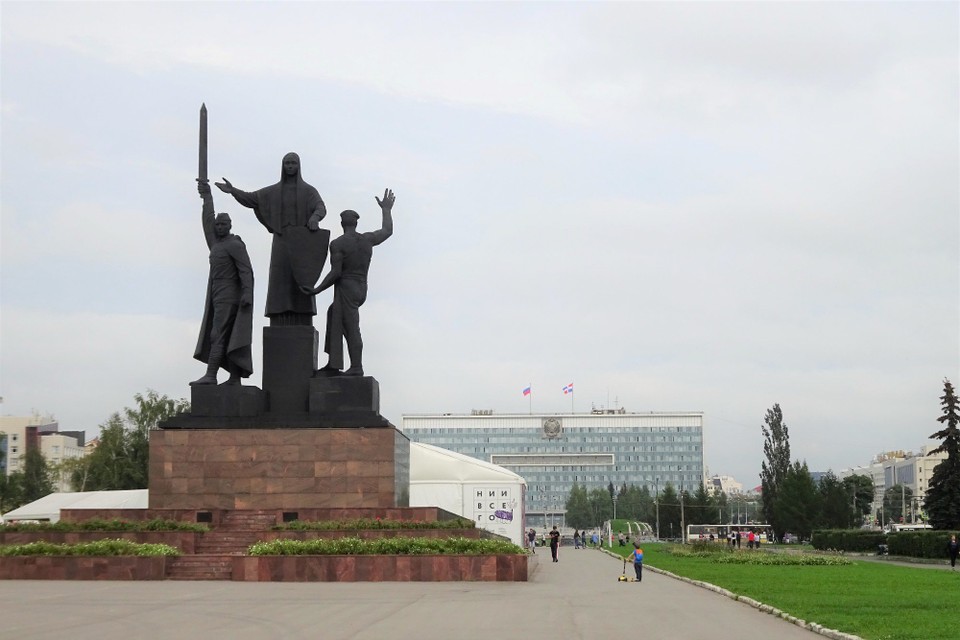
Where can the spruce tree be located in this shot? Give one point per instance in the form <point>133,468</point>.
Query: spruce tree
<point>942,502</point>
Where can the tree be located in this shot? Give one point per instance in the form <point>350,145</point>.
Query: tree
<point>37,478</point>
<point>836,503</point>
<point>942,502</point>
<point>896,503</point>
<point>669,512</point>
<point>798,503</point>
<point>861,490</point>
<point>773,471</point>
<point>723,508</point>
<point>700,510</point>
<point>121,459</point>
<point>579,515</point>
<point>601,506</point>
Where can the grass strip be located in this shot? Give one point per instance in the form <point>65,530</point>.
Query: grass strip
<point>871,600</point>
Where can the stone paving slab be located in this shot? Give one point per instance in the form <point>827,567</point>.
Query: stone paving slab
<point>576,598</point>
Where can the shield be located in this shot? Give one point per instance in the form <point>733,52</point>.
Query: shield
<point>307,251</point>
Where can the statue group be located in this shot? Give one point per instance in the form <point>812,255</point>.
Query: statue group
<point>291,210</point>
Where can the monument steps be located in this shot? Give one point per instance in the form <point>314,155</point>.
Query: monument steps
<point>227,542</point>
<point>201,567</point>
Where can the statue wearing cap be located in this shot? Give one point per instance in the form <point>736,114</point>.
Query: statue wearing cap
<point>350,256</point>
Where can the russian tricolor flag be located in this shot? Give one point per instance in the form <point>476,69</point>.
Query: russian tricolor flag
<point>568,389</point>
<point>526,391</point>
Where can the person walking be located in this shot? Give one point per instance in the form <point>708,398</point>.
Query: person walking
<point>637,556</point>
<point>532,540</point>
<point>555,543</point>
<point>576,538</point>
<point>953,548</point>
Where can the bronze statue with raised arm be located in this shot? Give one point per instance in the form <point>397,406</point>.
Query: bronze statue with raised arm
<point>350,256</point>
<point>227,327</point>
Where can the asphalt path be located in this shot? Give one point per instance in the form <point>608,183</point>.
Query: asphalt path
<point>576,598</point>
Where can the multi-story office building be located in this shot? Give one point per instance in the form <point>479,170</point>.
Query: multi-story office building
<point>21,434</point>
<point>554,451</point>
<point>893,468</point>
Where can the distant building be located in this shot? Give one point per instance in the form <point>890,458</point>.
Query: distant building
<point>891,468</point>
<point>553,451</point>
<point>724,484</point>
<point>21,434</point>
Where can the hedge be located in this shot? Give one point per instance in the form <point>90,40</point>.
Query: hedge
<point>860,540</point>
<point>919,544</point>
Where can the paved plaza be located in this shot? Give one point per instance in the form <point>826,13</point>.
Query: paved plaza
<point>576,598</point>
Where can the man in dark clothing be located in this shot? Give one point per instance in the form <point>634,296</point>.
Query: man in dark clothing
<point>554,543</point>
<point>227,327</point>
<point>952,549</point>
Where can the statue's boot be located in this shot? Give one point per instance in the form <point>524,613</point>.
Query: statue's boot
<point>213,365</point>
<point>355,349</point>
<point>233,380</point>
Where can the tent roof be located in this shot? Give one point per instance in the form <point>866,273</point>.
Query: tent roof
<point>434,464</point>
<point>48,507</point>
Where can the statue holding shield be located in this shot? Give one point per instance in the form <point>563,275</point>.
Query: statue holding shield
<point>290,210</point>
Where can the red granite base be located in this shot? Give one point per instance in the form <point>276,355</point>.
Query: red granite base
<point>83,568</point>
<point>488,568</point>
<point>279,468</point>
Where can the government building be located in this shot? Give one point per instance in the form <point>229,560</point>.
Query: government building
<point>554,451</point>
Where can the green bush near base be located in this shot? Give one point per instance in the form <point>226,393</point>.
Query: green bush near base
<point>384,546</point>
<point>97,548</point>
<point>371,524</point>
<point>100,524</point>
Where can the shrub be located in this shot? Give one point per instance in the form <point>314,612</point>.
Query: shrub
<point>384,546</point>
<point>97,548</point>
<point>99,524</point>
<point>372,523</point>
<point>858,540</point>
<point>919,544</point>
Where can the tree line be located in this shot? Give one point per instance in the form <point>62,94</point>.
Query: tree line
<point>793,502</point>
<point>119,461</point>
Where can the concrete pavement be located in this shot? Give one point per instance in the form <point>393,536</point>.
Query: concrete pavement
<point>576,598</point>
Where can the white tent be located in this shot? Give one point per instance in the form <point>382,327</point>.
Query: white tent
<point>489,495</point>
<point>48,507</point>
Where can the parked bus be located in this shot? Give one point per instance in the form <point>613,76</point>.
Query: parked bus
<point>721,532</point>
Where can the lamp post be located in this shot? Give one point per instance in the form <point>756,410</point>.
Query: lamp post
<point>656,503</point>
<point>615,506</point>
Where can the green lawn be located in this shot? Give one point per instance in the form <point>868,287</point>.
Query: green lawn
<point>874,601</point>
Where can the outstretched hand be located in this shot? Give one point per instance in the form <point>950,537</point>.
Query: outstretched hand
<point>388,200</point>
<point>224,186</point>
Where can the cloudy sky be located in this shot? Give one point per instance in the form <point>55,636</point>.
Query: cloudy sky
<point>674,206</point>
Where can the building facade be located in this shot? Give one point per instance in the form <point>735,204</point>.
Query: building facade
<point>21,434</point>
<point>892,468</point>
<point>554,451</point>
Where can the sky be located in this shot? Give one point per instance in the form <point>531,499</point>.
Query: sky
<point>674,206</point>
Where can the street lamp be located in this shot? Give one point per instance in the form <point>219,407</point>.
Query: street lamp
<point>614,506</point>
<point>656,502</point>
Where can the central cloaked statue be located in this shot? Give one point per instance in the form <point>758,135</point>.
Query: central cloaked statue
<point>291,211</point>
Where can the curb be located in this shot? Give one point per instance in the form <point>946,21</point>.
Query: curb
<point>833,634</point>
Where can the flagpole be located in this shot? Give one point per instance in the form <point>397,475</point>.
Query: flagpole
<point>530,399</point>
